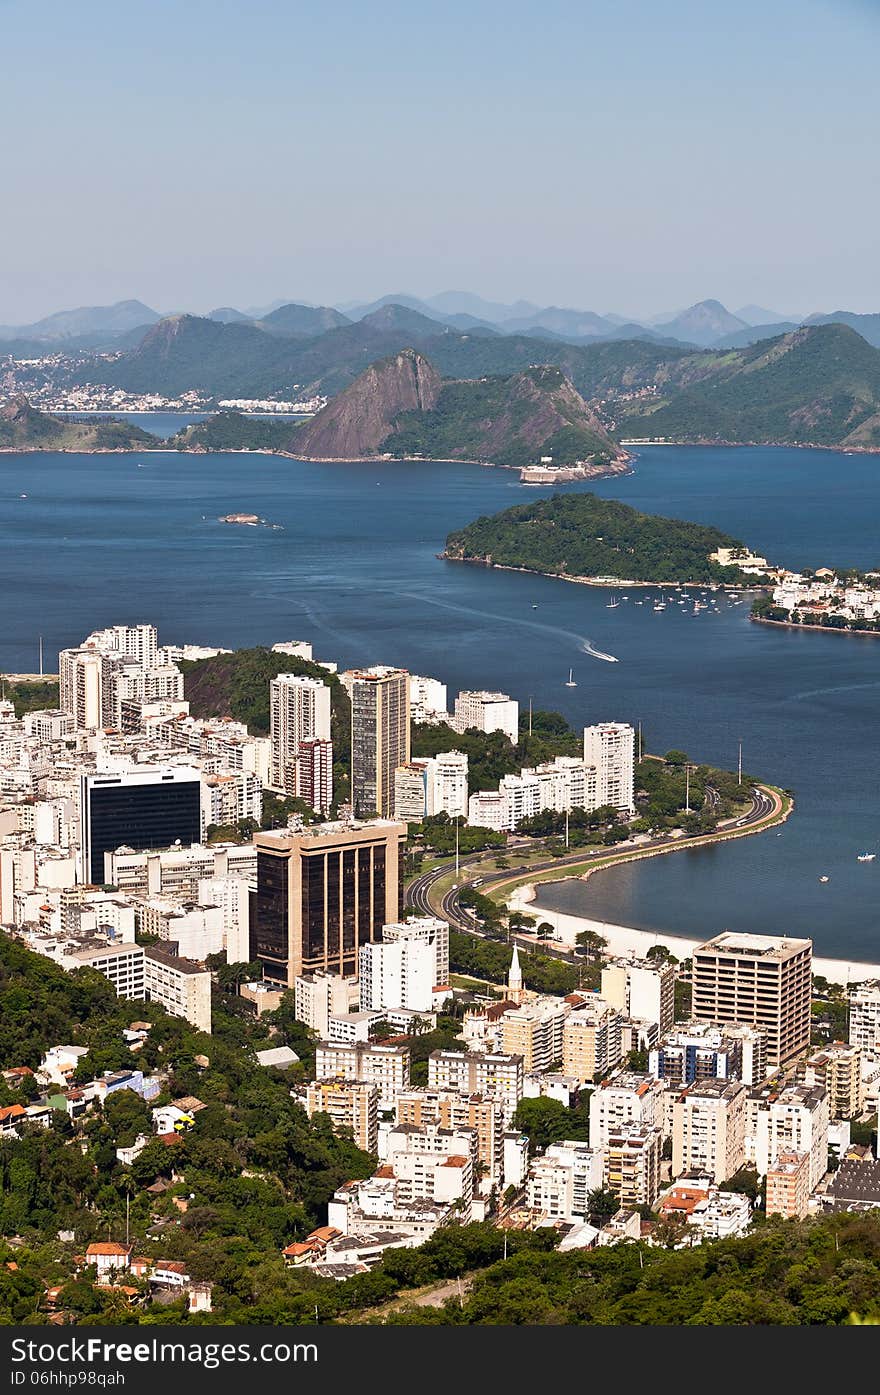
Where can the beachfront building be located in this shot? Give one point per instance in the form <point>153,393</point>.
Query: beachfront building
<point>761,980</point>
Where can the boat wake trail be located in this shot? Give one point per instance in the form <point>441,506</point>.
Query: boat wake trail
<point>583,644</point>
<point>589,648</point>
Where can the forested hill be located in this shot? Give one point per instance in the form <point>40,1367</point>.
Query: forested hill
<point>400,406</point>
<point>581,535</point>
<point>22,427</point>
<point>819,385</point>
<point>237,685</point>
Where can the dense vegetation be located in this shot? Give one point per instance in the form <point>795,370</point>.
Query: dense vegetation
<point>237,685</point>
<point>22,427</point>
<point>31,697</point>
<point>510,421</point>
<point>491,755</point>
<point>583,535</point>
<point>233,431</point>
<point>256,1173</point>
<point>809,1273</point>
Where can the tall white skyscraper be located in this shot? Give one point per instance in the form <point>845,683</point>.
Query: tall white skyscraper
<point>299,717</point>
<point>610,746</point>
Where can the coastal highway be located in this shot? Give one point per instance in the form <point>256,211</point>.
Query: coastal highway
<point>420,895</point>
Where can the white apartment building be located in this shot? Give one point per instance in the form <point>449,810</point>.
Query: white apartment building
<point>447,784</point>
<point>795,1121</point>
<point>427,699</point>
<point>560,1182</point>
<point>639,988</point>
<point>430,785</point>
<point>408,965</point>
<point>432,1162</point>
<point>411,790</point>
<point>294,649</point>
<point>196,930</point>
<point>232,896</point>
<point>177,871</point>
<point>384,1066</point>
<point>610,747</point>
<point>231,796</point>
<point>80,687</point>
<point>320,996</point>
<point>562,784</point>
<point>487,712</point>
<point>122,964</point>
<point>864,1016</point>
<point>630,1098</point>
<point>181,986</point>
<point>493,1074</point>
<point>708,1129</point>
<point>299,715</point>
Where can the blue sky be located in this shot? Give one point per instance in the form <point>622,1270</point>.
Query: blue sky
<point>626,155</point>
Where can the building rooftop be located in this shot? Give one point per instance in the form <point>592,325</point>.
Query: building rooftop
<point>856,1182</point>
<point>755,946</point>
<point>173,961</point>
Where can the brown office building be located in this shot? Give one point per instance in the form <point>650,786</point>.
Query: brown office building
<point>759,980</point>
<point>380,736</point>
<point>324,892</point>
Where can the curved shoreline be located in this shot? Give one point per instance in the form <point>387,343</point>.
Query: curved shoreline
<point>609,583</point>
<point>637,444</point>
<point>816,629</point>
<point>783,808</point>
<point>600,472</point>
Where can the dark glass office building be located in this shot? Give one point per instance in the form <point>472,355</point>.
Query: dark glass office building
<point>140,809</point>
<point>322,894</point>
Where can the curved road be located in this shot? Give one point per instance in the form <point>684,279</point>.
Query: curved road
<point>765,804</point>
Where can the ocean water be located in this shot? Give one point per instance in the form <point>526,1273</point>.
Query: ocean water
<point>353,567</point>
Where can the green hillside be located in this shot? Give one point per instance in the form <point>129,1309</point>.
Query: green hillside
<point>233,431</point>
<point>509,420</point>
<point>582,535</point>
<point>237,685</point>
<point>22,427</point>
<point>819,385</point>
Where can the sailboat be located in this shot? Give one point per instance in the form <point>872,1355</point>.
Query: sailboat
<point>613,603</point>
<point>571,681</point>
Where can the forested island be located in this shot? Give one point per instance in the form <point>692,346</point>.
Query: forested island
<point>582,537</point>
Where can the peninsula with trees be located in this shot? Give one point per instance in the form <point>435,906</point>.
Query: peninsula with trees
<point>580,537</point>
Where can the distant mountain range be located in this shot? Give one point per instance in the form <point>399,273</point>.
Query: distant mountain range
<point>98,323</point>
<point>400,388</point>
<point>708,324</point>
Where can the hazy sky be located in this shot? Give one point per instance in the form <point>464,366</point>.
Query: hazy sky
<point>627,155</point>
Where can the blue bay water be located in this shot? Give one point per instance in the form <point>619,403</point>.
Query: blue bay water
<point>353,568</point>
